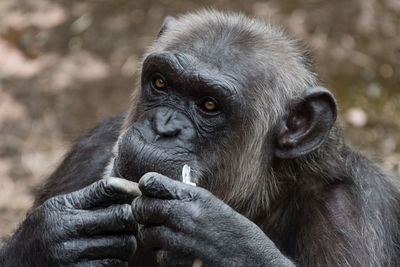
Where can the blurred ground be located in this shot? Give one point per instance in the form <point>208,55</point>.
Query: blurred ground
<point>65,65</point>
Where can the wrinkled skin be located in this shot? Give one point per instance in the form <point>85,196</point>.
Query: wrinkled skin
<point>235,100</point>
<point>86,227</point>
<point>183,223</point>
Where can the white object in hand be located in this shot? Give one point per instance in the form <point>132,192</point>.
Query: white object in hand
<point>186,175</point>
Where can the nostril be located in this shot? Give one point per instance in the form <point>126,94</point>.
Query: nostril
<point>166,125</point>
<point>167,131</point>
<point>173,132</point>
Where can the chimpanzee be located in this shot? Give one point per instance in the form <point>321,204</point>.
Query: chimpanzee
<point>236,100</point>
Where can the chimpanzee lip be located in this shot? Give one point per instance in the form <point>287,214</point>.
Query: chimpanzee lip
<point>136,156</point>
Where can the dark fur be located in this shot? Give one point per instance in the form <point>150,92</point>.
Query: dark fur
<point>330,207</point>
<point>94,153</point>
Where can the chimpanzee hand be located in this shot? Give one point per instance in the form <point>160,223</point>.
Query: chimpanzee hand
<point>183,223</point>
<point>93,226</point>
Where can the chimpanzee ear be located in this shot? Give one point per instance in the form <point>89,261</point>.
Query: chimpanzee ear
<point>168,23</point>
<point>308,124</point>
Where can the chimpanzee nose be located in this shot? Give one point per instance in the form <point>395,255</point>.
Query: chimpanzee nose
<point>168,122</point>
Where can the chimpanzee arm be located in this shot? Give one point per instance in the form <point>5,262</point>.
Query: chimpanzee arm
<point>91,225</point>
<point>351,223</point>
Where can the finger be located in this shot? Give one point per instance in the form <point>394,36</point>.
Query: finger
<point>103,247</point>
<point>114,219</point>
<point>148,210</point>
<point>106,191</point>
<point>156,185</point>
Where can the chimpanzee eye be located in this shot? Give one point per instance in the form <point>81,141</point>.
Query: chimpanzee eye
<point>208,105</point>
<point>159,83</point>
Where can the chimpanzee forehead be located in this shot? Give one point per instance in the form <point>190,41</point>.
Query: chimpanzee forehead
<point>227,57</point>
<point>221,47</point>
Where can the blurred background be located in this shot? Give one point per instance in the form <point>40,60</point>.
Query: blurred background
<point>66,65</point>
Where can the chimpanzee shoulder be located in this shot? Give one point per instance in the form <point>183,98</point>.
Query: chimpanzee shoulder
<point>85,162</point>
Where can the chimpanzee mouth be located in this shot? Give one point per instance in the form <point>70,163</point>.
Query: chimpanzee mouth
<point>136,156</point>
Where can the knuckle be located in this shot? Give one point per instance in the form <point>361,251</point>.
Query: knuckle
<point>106,186</point>
<point>49,204</point>
<point>204,194</point>
<point>70,201</point>
<point>54,203</point>
<point>57,222</point>
<point>149,179</point>
<point>104,183</point>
